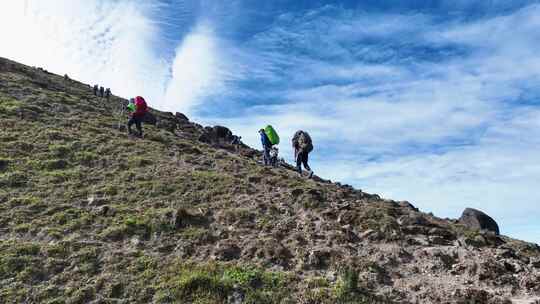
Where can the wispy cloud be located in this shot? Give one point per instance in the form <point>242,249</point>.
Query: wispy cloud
<point>119,44</point>
<point>440,111</point>
<point>195,70</point>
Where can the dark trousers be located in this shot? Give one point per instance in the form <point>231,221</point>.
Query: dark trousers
<point>137,121</point>
<point>302,158</point>
<point>266,156</point>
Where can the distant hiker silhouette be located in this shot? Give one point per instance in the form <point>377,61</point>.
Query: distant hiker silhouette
<point>137,116</point>
<point>236,140</point>
<point>302,145</point>
<point>108,93</point>
<point>96,88</point>
<point>101,91</point>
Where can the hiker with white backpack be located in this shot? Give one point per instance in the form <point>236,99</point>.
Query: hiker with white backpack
<point>274,153</point>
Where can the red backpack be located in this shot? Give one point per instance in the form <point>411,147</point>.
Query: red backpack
<point>140,106</point>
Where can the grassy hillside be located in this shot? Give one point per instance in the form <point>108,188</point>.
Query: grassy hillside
<point>88,214</point>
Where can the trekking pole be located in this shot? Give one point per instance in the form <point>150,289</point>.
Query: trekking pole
<point>121,111</point>
<point>116,111</point>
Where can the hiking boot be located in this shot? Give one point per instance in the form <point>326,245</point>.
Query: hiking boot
<point>310,174</point>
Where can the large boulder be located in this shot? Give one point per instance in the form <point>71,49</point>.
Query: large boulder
<point>221,132</point>
<point>216,135</point>
<point>477,219</point>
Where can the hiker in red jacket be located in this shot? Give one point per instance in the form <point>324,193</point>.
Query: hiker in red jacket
<point>137,116</point>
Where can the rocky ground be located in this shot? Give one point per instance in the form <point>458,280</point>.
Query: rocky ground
<point>89,215</point>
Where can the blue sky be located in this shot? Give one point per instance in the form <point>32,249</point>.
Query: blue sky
<point>435,102</point>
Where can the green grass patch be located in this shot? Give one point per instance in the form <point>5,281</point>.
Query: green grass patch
<point>86,158</point>
<point>138,161</point>
<point>196,234</point>
<point>214,283</point>
<point>13,179</point>
<point>9,106</point>
<point>26,200</point>
<point>55,164</point>
<point>21,261</point>
<point>134,226</point>
<point>60,151</point>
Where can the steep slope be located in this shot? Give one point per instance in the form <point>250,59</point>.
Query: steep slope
<point>88,214</point>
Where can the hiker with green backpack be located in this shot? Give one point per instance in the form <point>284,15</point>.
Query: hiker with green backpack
<point>138,111</point>
<point>131,105</point>
<point>302,145</point>
<point>269,138</point>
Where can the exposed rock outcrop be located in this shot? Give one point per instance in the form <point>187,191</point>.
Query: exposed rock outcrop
<point>477,219</point>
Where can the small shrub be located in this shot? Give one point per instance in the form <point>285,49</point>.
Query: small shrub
<point>60,151</point>
<point>161,188</point>
<point>160,137</point>
<point>350,280</point>
<point>138,226</point>
<point>145,262</point>
<point>201,284</point>
<point>196,234</point>
<point>88,260</point>
<point>4,163</point>
<point>23,201</point>
<point>9,106</point>
<point>238,215</point>
<point>114,233</point>
<point>23,228</point>
<point>55,135</point>
<point>62,176</point>
<point>110,190</point>
<point>14,179</point>
<point>248,277</point>
<point>60,250</point>
<point>52,165</point>
<point>130,227</point>
<point>54,233</point>
<point>20,260</point>
<point>86,158</point>
<point>27,249</point>
<point>347,285</point>
<point>82,295</point>
<point>138,161</point>
<point>318,282</point>
<point>32,273</point>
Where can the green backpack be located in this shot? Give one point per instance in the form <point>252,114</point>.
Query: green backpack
<point>272,135</point>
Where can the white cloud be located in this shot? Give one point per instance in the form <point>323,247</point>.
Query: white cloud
<point>113,43</point>
<point>197,70</point>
